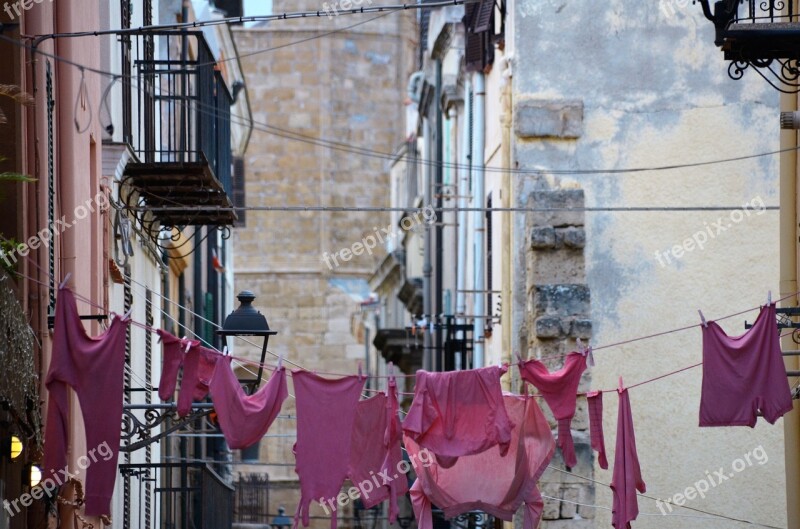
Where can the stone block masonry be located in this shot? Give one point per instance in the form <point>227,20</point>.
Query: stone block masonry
<point>558,313</point>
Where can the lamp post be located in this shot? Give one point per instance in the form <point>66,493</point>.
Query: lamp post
<point>248,321</point>
<point>281,521</point>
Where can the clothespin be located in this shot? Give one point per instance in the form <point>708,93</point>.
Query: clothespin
<point>188,344</point>
<point>621,386</point>
<point>64,283</point>
<point>769,297</point>
<point>127,314</point>
<point>519,358</point>
<point>360,371</point>
<point>702,318</point>
<point>280,362</point>
<point>390,371</point>
<point>224,350</point>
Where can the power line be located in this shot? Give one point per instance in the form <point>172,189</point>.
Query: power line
<point>352,149</point>
<point>256,18</point>
<point>381,209</point>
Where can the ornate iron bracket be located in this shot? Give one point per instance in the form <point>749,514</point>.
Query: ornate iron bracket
<point>782,74</point>
<point>155,415</point>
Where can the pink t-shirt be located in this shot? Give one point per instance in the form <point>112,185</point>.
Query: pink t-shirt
<point>491,481</point>
<point>458,413</point>
<point>743,375</point>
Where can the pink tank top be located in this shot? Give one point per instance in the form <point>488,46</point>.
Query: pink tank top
<point>491,481</point>
<point>744,375</point>
<point>326,412</point>
<point>559,389</point>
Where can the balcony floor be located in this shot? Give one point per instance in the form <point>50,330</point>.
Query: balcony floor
<point>190,185</point>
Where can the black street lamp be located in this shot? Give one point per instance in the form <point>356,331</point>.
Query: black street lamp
<point>281,521</point>
<point>248,321</point>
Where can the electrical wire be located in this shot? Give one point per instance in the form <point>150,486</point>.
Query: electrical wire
<point>350,149</point>
<point>730,518</point>
<point>255,18</point>
<point>591,506</point>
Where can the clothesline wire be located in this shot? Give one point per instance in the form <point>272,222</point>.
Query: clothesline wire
<point>663,333</point>
<point>592,506</point>
<point>269,366</point>
<point>357,150</point>
<point>731,518</point>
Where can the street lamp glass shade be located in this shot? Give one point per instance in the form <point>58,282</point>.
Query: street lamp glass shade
<point>16,447</point>
<point>35,476</point>
<point>281,520</point>
<point>246,320</point>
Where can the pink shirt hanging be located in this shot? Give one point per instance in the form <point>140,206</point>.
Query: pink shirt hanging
<point>595,401</point>
<point>198,368</point>
<point>458,413</point>
<point>375,453</point>
<point>744,375</point>
<point>244,419</point>
<point>560,390</point>
<point>93,368</point>
<point>627,477</point>
<point>491,481</point>
<point>326,412</point>
<point>174,350</point>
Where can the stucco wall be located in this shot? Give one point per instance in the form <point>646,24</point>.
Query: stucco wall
<point>654,91</point>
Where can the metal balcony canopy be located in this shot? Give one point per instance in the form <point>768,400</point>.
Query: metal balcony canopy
<point>764,34</point>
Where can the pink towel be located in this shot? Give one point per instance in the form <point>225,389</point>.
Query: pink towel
<point>244,419</point>
<point>559,389</point>
<point>743,375</point>
<point>627,477</point>
<point>458,413</point>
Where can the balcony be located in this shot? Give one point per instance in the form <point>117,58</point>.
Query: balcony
<point>178,124</point>
<point>187,496</point>
<point>764,34</point>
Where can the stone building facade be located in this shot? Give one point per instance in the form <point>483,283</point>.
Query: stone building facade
<point>319,99</point>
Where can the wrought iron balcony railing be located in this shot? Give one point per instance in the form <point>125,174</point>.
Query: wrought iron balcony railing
<point>764,34</point>
<point>187,496</point>
<point>178,124</point>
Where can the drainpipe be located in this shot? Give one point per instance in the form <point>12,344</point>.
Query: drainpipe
<point>427,267</point>
<point>788,286</point>
<point>507,266</point>
<point>463,191</point>
<point>478,196</point>
<point>439,191</point>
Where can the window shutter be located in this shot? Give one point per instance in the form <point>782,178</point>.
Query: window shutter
<point>238,191</point>
<point>483,18</point>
